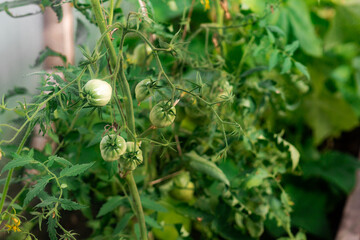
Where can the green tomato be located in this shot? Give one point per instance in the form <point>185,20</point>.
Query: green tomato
<point>132,158</point>
<point>162,114</point>
<point>183,188</point>
<point>97,92</point>
<point>141,55</point>
<point>184,194</point>
<point>168,221</point>
<point>144,89</point>
<point>112,147</point>
<point>196,109</point>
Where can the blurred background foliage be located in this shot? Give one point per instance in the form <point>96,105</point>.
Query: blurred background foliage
<point>325,128</point>
<point>324,125</point>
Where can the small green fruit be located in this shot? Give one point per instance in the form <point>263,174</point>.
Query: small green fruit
<point>97,92</point>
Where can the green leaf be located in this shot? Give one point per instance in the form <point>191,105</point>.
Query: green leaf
<point>48,201</point>
<point>200,164</point>
<point>270,35</point>
<point>299,17</point>
<point>256,179</point>
<point>152,222</point>
<point>122,223</point>
<point>56,6</point>
<point>255,228</point>
<point>345,26</point>
<point>274,59</point>
<point>150,204</point>
<point>192,212</point>
<point>278,212</point>
<point>18,161</point>
<point>309,201</point>
<point>328,115</point>
<point>38,187</point>
<point>60,160</point>
<point>294,153</point>
<point>46,3</point>
<point>300,236</point>
<point>69,205</point>
<point>291,48</point>
<point>75,170</point>
<point>276,29</point>
<point>303,69</point>
<point>31,153</point>
<point>286,65</point>
<point>338,169</point>
<point>46,53</point>
<point>110,205</point>
<point>52,228</point>
<point>221,225</point>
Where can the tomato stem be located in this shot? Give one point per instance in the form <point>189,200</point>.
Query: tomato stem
<point>96,8</point>
<point>9,176</point>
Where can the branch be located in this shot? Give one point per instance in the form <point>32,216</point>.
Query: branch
<point>19,3</point>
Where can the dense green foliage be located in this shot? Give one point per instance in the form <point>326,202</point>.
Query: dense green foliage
<point>247,98</point>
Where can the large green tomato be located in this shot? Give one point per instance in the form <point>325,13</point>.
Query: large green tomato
<point>142,54</point>
<point>112,147</point>
<point>196,109</point>
<point>183,188</point>
<point>144,89</point>
<point>132,158</point>
<point>162,114</point>
<point>168,221</point>
<point>97,92</point>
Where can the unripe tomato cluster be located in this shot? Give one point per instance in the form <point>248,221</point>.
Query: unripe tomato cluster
<point>113,147</point>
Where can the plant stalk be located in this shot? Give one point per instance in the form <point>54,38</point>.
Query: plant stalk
<point>220,22</point>
<point>137,204</point>
<point>19,3</point>
<point>96,8</point>
<point>9,176</point>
